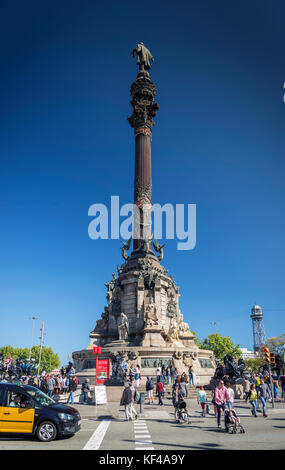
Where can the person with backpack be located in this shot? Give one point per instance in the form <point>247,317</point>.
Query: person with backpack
<point>126,401</point>
<point>137,375</point>
<point>149,389</point>
<point>85,388</point>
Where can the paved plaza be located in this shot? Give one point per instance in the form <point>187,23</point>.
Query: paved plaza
<point>104,428</point>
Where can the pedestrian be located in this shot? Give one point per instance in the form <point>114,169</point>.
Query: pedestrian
<point>85,388</point>
<point>282,384</point>
<point>50,383</point>
<point>214,403</point>
<point>183,387</point>
<point>158,370</point>
<point>137,375</point>
<point>246,388</point>
<point>275,390</point>
<point>149,389</point>
<point>202,400</point>
<point>176,398</point>
<point>172,372</point>
<point>132,373</point>
<point>230,401</point>
<point>168,375</point>
<point>44,385</point>
<point>71,371</point>
<point>263,394</point>
<point>159,391</point>
<point>253,399</point>
<point>132,407</point>
<point>221,396</point>
<point>56,387</point>
<point>66,383</point>
<point>257,381</point>
<point>126,401</point>
<point>72,389</point>
<point>190,374</point>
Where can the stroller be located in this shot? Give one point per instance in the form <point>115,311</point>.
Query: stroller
<point>182,413</point>
<point>232,422</point>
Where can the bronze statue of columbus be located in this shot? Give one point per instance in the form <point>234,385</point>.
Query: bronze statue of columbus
<point>143,56</point>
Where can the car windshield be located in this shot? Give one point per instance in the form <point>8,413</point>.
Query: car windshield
<point>41,397</point>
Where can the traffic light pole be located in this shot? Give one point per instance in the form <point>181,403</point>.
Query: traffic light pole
<point>267,357</point>
<point>271,385</point>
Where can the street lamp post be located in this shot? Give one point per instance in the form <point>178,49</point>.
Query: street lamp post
<point>32,318</point>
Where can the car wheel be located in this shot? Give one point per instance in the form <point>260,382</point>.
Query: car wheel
<point>46,431</point>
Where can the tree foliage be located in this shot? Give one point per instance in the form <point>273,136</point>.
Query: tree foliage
<point>220,345</point>
<point>253,365</point>
<point>49,359</point>
<point>277,344</point>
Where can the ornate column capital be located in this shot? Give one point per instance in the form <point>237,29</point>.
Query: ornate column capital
<point>143,92</point>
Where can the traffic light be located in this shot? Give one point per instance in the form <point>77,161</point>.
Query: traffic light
<point>266,355</point>
<point>272,358</point>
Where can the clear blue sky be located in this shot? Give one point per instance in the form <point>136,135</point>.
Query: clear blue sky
<point>219,142</point>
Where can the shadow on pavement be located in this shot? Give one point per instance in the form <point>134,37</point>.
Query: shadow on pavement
<point>164,444</point>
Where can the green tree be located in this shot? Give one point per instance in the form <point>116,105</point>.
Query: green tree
<point>49,359</point>
<point>253,365</point>
<point>277,344</point>
<point>220,345</point>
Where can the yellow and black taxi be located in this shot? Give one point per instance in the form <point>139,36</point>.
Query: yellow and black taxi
<point>25,409</point>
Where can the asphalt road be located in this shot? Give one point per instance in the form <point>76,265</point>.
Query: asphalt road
<point>157,430</point>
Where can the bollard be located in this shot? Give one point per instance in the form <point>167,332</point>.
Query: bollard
<point>142,400</point>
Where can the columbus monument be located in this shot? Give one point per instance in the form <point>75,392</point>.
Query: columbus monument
<point>142,321</point>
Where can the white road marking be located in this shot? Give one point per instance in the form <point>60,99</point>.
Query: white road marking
<point>97,437</point>
<point>142,436</point>
<point>142,442</point>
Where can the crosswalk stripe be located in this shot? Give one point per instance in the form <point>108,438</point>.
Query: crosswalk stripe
<point>142,436</point>
<point>143,441</point>
<point>97,437</point>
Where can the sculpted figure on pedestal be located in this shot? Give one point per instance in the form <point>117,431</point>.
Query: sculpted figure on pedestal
<point>102,323</point>
<point>159,249</point>
<point>123,326</point>
<point>125,248</point>
<point>172,334</point>
<point>144,56</point>
<point>116,361</point>
<point>150,315</point>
